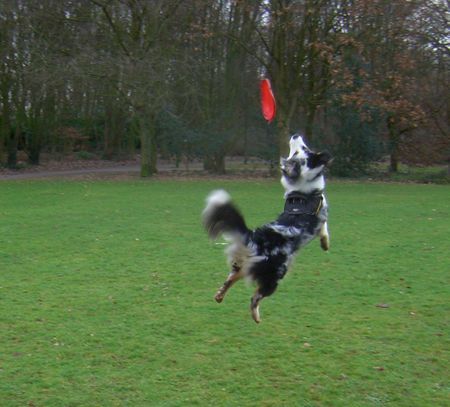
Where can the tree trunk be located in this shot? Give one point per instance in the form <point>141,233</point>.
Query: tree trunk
<point>12,142</point>
<point>219,161</point>
<point>283,133</point>
<point>148,145</point>
<point>5,119</point>
<point>34,154</point>
<point>310,116</point>
<point>394,139</point>
<point>1,146</point>
<point>393,165</point>
<point>34,140</point>
<point>108,134</point>
<point>114,130</point>
<point>215,163</point>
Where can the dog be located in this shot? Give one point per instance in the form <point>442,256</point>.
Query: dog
<point>265,254</point>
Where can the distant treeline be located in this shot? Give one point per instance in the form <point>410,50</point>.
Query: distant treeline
<point>179,79</point>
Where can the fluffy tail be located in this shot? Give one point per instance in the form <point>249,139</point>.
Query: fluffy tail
<point>220,216</point>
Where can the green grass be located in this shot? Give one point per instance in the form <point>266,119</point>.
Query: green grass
<point>437,174</point>
<point>106,299</point>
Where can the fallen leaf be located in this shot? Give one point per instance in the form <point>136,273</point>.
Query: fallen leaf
<point>382,305</point>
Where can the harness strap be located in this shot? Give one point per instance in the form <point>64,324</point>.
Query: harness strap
<point>302,204</point>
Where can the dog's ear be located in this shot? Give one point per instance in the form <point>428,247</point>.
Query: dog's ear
<point>317,159</point>
<point>325,158</point>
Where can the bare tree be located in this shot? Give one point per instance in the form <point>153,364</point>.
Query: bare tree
<point>141,56</point>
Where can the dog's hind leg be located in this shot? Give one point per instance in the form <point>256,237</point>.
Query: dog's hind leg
<point>235,275</point>
<point>261,292</point>
<point>324,237</point>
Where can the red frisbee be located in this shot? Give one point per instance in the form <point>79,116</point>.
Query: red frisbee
<point>268,104</point>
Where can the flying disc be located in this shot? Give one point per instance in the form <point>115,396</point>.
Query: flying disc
<point>268,104</point>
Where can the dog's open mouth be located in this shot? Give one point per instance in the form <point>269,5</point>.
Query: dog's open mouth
<point>291,169</point>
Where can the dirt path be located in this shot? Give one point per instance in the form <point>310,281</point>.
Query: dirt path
<point>92,170</point>
<point>70,173</point>
<point>103,169</point>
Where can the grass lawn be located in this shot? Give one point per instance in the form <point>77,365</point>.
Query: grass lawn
<point>106,299</point>
<point>406,173</point>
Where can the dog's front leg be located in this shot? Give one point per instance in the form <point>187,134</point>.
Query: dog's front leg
<point>254,306</point>
<point>234,276</point>
<point>324,237</point>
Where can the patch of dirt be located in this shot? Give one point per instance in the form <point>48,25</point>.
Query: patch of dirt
<point>49,164</point>
<point>98,169</point>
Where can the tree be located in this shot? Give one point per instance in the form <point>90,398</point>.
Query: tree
<point>142,56</point>
<point>385,78</point>
<point>181,78</point>
<point>220,77</point>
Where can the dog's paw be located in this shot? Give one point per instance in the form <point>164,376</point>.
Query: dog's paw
<point>256,318</point>
<point>219,297</point>
<point>255,315</point>
<point>325,243</point>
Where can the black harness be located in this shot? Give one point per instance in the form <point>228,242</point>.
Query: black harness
<point>298,203</point>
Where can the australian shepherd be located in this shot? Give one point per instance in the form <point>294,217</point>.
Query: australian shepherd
<point>265,254</point>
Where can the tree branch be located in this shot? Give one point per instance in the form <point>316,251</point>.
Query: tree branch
<point>113,27</point>
<point>248,50</point>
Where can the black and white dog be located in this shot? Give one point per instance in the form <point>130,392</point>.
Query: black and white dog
<point>265,254</point>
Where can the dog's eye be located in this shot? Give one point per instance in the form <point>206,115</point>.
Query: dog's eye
<point>302,161</point>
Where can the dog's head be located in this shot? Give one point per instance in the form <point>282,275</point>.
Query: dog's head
<point>303,166</point>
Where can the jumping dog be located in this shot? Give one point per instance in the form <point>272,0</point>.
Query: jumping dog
<point>265,254</point>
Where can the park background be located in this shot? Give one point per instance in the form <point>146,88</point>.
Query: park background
<point>178,80</point>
